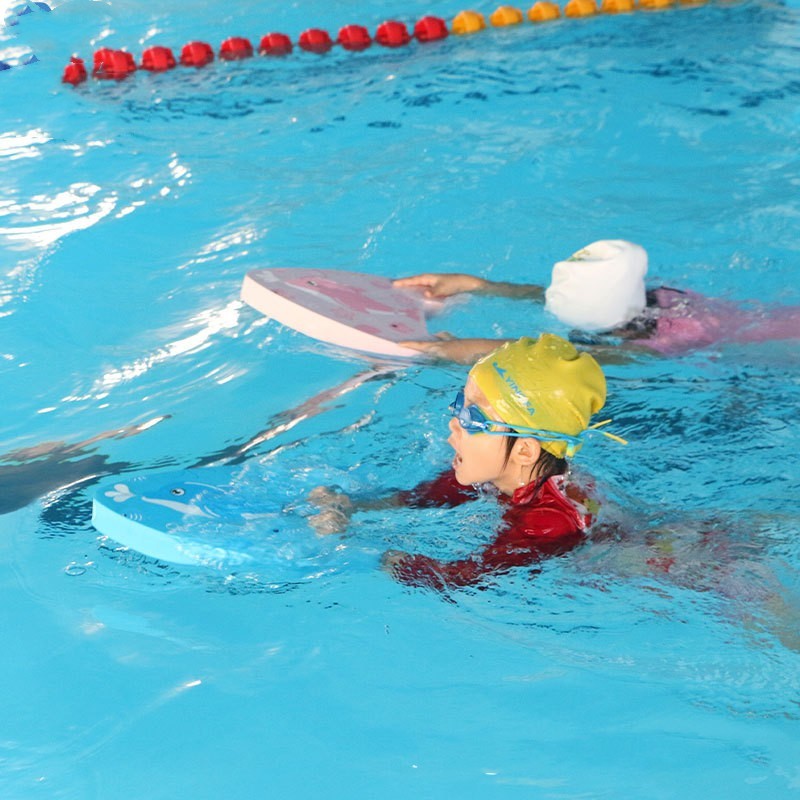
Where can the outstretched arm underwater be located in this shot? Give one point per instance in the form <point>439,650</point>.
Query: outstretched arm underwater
<point>467,351</point>
<point>437,285</point>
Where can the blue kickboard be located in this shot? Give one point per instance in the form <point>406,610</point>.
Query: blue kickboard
<point>254,514</point>
<point>165,515</point>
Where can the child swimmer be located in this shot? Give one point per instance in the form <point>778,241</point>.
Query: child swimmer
<point>524,411</point>
<point>601,289</point>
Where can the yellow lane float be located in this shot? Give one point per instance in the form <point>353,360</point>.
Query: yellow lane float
<point>580,8</point>
<point>506,15</point>
<point>468,22</point>
<point>543,11</point>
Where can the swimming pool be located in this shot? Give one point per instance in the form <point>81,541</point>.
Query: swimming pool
<point>129,215</point>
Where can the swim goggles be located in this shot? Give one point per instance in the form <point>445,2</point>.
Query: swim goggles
<point>473,420</point>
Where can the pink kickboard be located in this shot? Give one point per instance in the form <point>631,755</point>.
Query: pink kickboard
<point>349,309</point>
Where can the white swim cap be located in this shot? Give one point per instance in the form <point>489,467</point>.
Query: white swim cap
<point>600,287</point>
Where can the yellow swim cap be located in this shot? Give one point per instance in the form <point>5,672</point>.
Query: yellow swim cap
<point>543,383</point>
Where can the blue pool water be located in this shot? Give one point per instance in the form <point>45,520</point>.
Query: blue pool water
<point>128,217</point>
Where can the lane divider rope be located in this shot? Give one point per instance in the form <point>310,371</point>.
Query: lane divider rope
<point>111,64</point>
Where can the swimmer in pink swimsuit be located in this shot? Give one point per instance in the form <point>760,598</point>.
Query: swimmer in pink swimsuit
<point>677,321</point>
<point>601,290</point>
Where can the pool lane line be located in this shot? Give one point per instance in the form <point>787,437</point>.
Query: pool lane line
<point>111,64</point>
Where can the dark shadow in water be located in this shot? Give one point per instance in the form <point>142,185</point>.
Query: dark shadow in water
<point>28,474</point>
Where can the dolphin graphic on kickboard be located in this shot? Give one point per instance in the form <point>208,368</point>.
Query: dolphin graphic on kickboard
<point>151,512</point>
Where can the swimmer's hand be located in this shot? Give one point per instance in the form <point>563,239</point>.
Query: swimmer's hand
<point>336,509</point>
<point>436,285</point>
<point>392,560</point>
<point>460,351</point>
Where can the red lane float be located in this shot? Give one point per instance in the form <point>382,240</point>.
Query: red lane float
<point>118,64</point>
<point>101,55</point>
<point>235,49</point>
<point>158,59</point>
<point>392,34</point>
<point>196,54</point>
<point>275,44</point>
<point>113,64</point>
<point>315,40</point>
<point>354,37</point>
<point>430,29</point>
<point>74,72</point>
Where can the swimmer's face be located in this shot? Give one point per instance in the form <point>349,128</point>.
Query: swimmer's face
<point>481,457</point>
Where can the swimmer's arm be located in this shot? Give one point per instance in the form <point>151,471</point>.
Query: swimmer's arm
<point>511,549</point>
<point>419,570</point>
<point>459,351</point>
<point>516,291</point>
<point>468,351</point>
<point>437,285</point>
<point>336,508</point>
<point>624,353</point>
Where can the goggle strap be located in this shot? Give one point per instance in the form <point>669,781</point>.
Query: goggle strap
<point>612,436</point>
<point>572,442</point>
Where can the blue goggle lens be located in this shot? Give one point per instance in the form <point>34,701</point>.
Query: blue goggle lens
<point>470,418</point>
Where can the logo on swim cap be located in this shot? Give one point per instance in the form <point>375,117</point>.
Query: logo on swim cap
<point>545,384</point>
<point>516,389</point>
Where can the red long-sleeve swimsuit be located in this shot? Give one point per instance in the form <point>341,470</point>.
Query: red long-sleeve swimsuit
<point>537,522</point>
